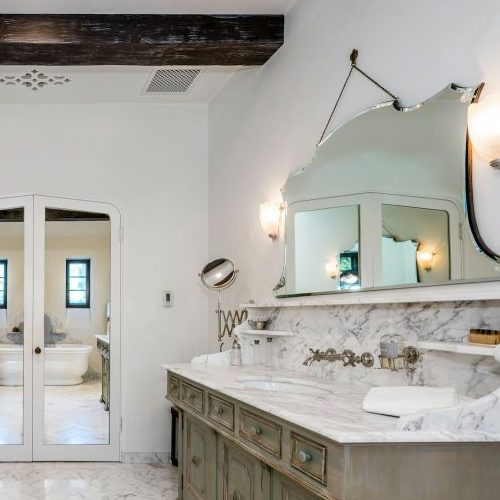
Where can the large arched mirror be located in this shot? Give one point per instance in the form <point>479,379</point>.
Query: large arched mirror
<point>382,203</point>
<point>473,158</point>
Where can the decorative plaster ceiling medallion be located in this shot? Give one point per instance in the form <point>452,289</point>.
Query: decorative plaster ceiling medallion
<point>34,80</point>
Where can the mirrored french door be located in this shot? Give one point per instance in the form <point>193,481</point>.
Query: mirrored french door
<point>59,330</point>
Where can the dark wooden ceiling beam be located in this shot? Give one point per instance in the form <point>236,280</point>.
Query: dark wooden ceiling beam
<point>139,40</point>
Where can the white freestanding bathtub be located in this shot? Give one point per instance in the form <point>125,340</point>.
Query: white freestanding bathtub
<point>65,364</point>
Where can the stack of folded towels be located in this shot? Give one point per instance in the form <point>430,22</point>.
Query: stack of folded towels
<point>405,400</point>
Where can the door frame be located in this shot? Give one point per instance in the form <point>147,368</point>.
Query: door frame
<point>86,452</point>
<point>23,452</point>
<point>32,448</point>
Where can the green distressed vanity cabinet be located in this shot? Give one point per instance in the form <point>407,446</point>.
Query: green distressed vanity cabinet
<point>232,451</point>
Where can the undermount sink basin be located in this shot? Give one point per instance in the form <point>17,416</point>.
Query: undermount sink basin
<point>290,386</point>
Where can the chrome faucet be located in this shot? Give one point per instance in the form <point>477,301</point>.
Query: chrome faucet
<point>348,357</point>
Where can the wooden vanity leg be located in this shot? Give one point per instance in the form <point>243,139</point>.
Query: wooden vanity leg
<point>101,400</point>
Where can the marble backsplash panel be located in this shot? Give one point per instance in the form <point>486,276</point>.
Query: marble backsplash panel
<point>359,328</point>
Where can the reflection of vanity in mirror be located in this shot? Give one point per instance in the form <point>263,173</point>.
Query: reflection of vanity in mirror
<point>382,203</point>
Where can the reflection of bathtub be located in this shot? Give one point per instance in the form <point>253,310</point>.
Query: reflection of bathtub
<point>65,364</point>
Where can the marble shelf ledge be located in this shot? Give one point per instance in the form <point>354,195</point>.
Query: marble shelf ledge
<point>481,290</point>
<point>267,333</point>
<point>458,347</point>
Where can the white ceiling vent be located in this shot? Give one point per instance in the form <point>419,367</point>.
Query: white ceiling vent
<point>171,81</point>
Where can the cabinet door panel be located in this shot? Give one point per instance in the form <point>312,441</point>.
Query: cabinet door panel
<point>240,476</point>
<point>286,489</point>
<point>197,460</point>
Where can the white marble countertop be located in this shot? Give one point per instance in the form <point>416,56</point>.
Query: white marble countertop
<point>337,415</point>
<point>103,338</point>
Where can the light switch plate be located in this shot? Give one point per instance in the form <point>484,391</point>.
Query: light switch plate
<point>168,299</point>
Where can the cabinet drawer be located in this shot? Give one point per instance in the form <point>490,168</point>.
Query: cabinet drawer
<point>221,411</point>
<point>309,457</point>
<point>173,387</point>
<point>263,433</point>
<point>192,396</point>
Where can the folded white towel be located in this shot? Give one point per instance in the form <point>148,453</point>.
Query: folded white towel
<point>404,400</point>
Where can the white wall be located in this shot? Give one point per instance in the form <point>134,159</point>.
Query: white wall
<point>151,162</point>
<point>266,121</point>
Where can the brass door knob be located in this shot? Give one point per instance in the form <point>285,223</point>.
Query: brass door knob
<point>38,350</point>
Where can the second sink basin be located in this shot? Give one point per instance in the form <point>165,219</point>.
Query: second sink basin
<point>286,385</point>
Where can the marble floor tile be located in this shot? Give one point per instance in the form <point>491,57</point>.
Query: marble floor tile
<point>87,481</point>
<point>73,415</point>
<point>11,415</point>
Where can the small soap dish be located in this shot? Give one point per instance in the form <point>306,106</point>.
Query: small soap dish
<point>258,324</point>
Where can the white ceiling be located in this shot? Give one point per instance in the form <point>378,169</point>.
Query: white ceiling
<point>146,6</point>
<point>108,84</point>
<point>115,84</point>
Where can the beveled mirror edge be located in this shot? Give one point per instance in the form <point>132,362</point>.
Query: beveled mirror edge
<point>470,213</point>
<point>460,89</point>
<point>475,91</point>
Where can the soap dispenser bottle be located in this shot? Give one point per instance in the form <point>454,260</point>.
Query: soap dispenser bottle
<point>236,353</point>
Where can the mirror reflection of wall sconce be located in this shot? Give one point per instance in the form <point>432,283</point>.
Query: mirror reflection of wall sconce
<point>425,258</point>
<point>484,128</point>
<point>270,218</point>
<point>332,268</point>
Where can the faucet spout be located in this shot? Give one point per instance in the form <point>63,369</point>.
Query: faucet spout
<point>310,359</point>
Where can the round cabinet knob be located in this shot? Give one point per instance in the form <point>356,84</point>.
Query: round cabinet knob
<point>38,350</point>
<point>195,461</point>
<point>237,495</point>
<point>255,431</point>
<point>219,410</point>
<point>304,457</point>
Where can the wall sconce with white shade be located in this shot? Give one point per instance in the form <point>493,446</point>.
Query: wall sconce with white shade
<point>484,128</point>
<point>270,218</point>
<point>425,258</point>
<point>332,269</point>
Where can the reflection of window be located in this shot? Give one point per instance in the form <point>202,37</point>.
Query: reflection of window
<point>3,284</point>
<point>349,271</point>
<point>78,283</point>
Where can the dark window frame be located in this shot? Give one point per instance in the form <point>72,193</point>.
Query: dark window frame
<point>86,305</point>
<point>5,263</point>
